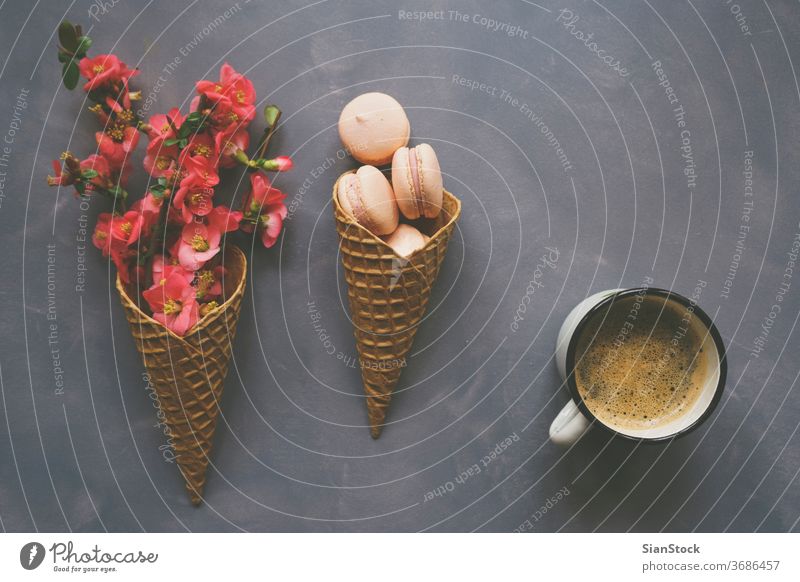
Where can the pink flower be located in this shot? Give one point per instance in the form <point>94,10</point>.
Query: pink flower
<point>162,269</point>
<point>198,244</point>
<point>228,146</point>
<point>200,145</point>
<point>284,163</point>
<point>173,303</point>
<point>196,203</point>
<point>123,259</point>
<point>208,284</point>
<point>234,92</point>
<point>159,159</point>
<point>148,209</point>
<point>100,165</point>
<point>101,238</point>
<point>224,219</point>
<point>104,71</point>
<point>116,143</point>
<point>264,206</point>
<point>126,229</point>
<point>159,125</point>
<point>199,176</point>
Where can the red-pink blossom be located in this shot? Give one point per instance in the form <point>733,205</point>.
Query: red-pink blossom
<point>233,92</point>
<point>224,219</point>
<point>173,303</point>
<point>265,207</point>
<point>228,146</point>
<point>116,143</point>
<point>198,244</point>
<point>104,71</point>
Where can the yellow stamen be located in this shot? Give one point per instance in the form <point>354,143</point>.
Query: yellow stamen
<point>117,133</point>
<point>199,243</point>
<point>125,115</point>
<point>207,308</point>
<point>240,96</point>
<point>171,306</point>
<point>202,150</point>
<point>97,69</point>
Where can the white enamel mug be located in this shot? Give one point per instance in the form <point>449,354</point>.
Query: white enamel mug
<point>576,418</point>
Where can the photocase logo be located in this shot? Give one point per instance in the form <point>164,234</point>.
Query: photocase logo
<point>398,264</point>
<point>31,555</point>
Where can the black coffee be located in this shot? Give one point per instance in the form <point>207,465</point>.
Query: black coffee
<point>640,362</point>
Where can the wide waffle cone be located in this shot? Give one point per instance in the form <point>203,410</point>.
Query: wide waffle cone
<point>388,295</point>
<point>188,372</point>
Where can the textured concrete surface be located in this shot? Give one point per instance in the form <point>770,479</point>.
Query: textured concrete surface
<point>549,143</point>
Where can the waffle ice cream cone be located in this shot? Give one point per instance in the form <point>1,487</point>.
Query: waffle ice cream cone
<point>188,372</point>
<point>388,295</point>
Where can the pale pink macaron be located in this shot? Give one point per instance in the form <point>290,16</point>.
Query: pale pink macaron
<point>406,240</point>
<point>367,196</point>
<point>417,181</point>
<point>372,126</point>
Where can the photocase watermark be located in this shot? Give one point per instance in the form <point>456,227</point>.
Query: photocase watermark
<point>167,449</point>
<point>499,448</point>
<point>569,20</point>
<point>68,559</point>
<point>524,108</point>
<point>548,505</point>
<point>744,225</point>
<point>100,8</point>
<point>10,137</point>
<point>51,314</point>
<point>783,289</point>
<point>151,97</point>
<point>548,260</point>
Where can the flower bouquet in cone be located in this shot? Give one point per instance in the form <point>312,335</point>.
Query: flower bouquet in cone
<point>388,294</point>
<point>180,284</point>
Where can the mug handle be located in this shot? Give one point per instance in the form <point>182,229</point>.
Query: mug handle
<point>569,425</point>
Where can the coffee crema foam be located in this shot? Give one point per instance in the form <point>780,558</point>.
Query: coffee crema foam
<point>639,365</point>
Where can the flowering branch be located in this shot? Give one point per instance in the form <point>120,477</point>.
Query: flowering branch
<point>168,242</point>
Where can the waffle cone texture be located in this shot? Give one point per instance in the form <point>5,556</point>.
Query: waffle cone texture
<point>388,295</point>
<point>188,373</point>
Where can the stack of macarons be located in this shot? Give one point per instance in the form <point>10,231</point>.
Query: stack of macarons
<point>375,130</point>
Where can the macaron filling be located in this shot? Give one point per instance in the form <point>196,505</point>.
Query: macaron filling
<point>352,190</point>
<point>413,164</point>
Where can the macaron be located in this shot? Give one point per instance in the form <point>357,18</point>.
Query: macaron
<point>367,196</point>
<point>417,181</point>
<point>406,240</point>
<point>372,126</point>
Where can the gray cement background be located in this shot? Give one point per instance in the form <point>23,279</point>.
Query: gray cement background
<point>291,451</point>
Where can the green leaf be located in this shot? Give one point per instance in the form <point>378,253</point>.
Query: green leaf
<point>171,142</point>
<point>80,187</point>
<point>271,115</point>
<point>71,75</point>
<point>84,42</point>
<point>89,174</point>
<point>68,36</point>
<point>64,57</point>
